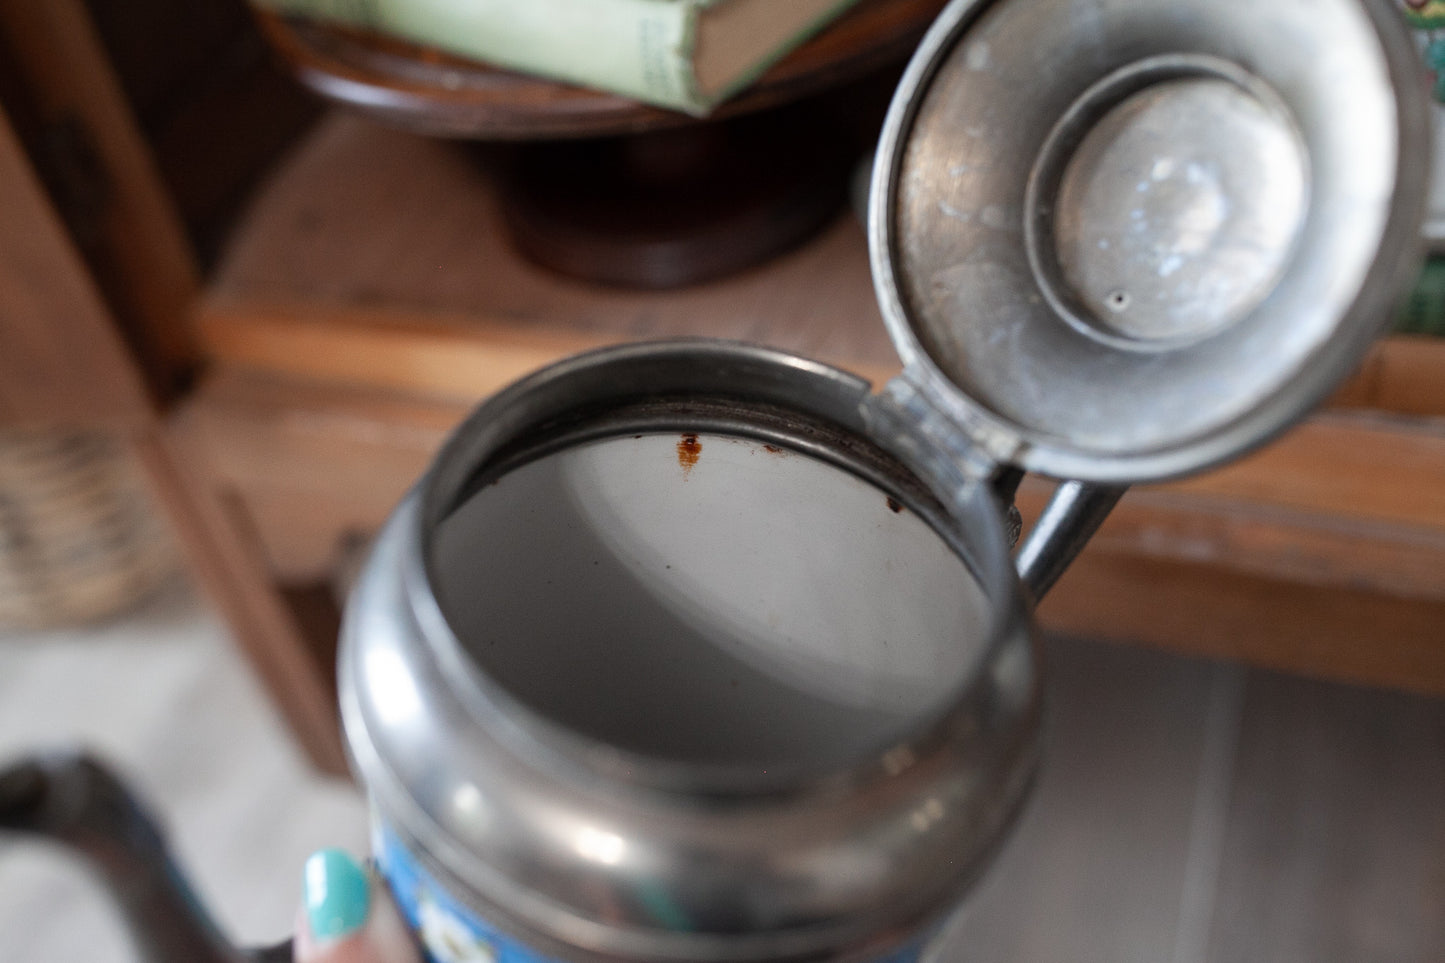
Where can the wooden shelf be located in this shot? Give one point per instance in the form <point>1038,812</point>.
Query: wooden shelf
<point>378,236</point>
<point>370,299</point>
<point>1247,563</point>
<point>377,257</point>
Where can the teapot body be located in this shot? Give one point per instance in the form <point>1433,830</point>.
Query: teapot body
<point>514,825</point>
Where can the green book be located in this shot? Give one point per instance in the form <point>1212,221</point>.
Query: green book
<point>689,55</point>
<point>1423,312</point>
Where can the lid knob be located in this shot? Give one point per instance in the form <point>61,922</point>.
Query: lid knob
<point>1176,213</point>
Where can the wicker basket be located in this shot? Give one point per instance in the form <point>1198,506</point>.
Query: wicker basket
<point>79,536</point>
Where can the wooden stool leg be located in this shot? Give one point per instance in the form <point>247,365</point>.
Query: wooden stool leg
<point>232,571</point>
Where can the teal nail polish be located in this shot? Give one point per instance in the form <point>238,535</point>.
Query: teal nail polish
<point>336,893</point>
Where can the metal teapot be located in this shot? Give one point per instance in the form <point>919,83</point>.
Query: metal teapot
<point>698,652</point>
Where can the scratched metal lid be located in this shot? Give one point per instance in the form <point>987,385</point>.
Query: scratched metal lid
<point>1126,239</point>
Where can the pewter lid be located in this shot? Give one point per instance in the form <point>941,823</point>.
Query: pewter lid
<point>1127,239</point>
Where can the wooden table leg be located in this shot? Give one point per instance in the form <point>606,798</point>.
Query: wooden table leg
<point>232,570</point>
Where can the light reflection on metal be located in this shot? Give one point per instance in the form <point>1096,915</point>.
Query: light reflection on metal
<point>394,692</point>
<point>599,846</point>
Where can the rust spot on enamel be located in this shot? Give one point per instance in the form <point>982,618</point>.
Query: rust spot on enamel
<point>689,449</point>
<point>894,505</point>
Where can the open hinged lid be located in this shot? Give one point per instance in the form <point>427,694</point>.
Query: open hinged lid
<point>1126,239</point>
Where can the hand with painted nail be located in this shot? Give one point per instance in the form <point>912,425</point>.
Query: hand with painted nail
<point>347,916</point>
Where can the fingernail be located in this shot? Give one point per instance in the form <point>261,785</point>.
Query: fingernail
<point>336,893</point>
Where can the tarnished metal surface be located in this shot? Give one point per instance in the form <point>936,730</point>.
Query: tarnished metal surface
<point>1113,240</point>
<point>1176,214</point>
<point>1131,238</point>
<point>551,826</point>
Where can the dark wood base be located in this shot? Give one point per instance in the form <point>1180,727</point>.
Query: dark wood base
<point>677,207</point>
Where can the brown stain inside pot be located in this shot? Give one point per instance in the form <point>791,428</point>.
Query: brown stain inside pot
<point>894,505</point>
<point>689,450</point>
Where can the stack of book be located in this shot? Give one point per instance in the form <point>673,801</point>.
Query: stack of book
<point>689,55</point>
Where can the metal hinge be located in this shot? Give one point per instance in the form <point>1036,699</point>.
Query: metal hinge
<point>949,453</point>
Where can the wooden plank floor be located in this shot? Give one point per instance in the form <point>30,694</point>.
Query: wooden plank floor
<point>1190,811</point>
<point>1336,834</point>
